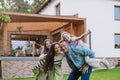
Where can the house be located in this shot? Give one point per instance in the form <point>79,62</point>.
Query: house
<point>102,18</point>
<point>31,27</point>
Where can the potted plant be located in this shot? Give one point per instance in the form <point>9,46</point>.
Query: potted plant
<point>19,28</point>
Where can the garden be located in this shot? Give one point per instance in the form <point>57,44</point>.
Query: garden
<point>110,74</point>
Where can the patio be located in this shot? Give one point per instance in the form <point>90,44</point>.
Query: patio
<point>33,28</point>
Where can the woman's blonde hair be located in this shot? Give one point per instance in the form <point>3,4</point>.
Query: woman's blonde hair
<point>64,32</point>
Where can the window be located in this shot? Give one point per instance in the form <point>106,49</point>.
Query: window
<point>117,40</point>
<point>117,13</point>
<point>58,9</point>
<point>23,44</point>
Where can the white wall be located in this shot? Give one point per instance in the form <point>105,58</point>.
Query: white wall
<point>100,20</point>
<point>50,9</point>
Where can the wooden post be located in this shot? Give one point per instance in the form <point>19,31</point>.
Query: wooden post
<point>33,49</point>
<point>71,29</point>
<point>5,40</point>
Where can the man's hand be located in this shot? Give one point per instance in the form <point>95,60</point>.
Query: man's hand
<point>85,69</point>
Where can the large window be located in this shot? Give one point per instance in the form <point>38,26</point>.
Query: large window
<point>117,13</point>
<point>117,40</point>
<point>26,44</point>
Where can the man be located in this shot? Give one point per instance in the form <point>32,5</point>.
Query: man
<point>75,56</point>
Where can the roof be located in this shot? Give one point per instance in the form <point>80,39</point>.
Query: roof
<point>25,17</point>
<point>51,22</point>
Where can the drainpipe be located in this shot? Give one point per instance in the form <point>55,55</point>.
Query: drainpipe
<point>90,40</point>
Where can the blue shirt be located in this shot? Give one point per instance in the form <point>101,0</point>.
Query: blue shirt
<point>76,56</point>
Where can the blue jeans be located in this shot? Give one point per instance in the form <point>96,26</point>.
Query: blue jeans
<point>74,75</point>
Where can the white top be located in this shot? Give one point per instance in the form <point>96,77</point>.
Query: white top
<point>79,42</point>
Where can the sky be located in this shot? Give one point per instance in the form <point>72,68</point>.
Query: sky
<point>15,44</point>
<point>30,1</point>
<point>23,44</point>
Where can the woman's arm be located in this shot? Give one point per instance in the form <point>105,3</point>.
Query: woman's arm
<point>84,34</point>
<point>42,56</point>
<point>38,44</point>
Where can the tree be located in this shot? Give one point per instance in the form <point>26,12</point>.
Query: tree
<point>4,18</point>
<point>3,7</point>
<point>24,6</point>
<point>19,6</point>
<point>36,4</point>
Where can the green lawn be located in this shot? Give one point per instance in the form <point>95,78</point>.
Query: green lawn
<point>111,74</point>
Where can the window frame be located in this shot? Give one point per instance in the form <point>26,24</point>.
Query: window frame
<point>116,46</point>
<point>117,19</point>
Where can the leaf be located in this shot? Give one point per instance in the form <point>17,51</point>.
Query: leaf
<point>5,18</point>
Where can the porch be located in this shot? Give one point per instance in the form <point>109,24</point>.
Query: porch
<point>34,29</point>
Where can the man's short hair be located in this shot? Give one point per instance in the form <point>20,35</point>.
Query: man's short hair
<point>61,41</point>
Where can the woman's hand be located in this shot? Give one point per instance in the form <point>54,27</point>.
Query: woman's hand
<point>89,31</point>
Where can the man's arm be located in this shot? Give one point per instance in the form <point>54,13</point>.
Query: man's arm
<point>82,51</point>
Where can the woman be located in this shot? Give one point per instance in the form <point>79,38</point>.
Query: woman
<point>54,61</point>
<point>70,39</point>
<point>38,69</point>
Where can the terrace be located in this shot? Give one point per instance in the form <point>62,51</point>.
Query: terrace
<point>32,29</point>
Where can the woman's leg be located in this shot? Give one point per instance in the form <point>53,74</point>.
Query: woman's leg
<point>42,75</point>
<point>93,62</point>
<point>58,73</point>
<point>50,75</point>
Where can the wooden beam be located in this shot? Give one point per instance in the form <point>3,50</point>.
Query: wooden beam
<point>33,49</point>
<point>71,28</point>
<point>23,17</point>
<point>5,41</point>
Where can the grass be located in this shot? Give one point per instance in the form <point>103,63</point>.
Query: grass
<point>111,74</point>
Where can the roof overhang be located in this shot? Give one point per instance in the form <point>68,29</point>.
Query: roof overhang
<point>23,17</point>
<point>45,20</point>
